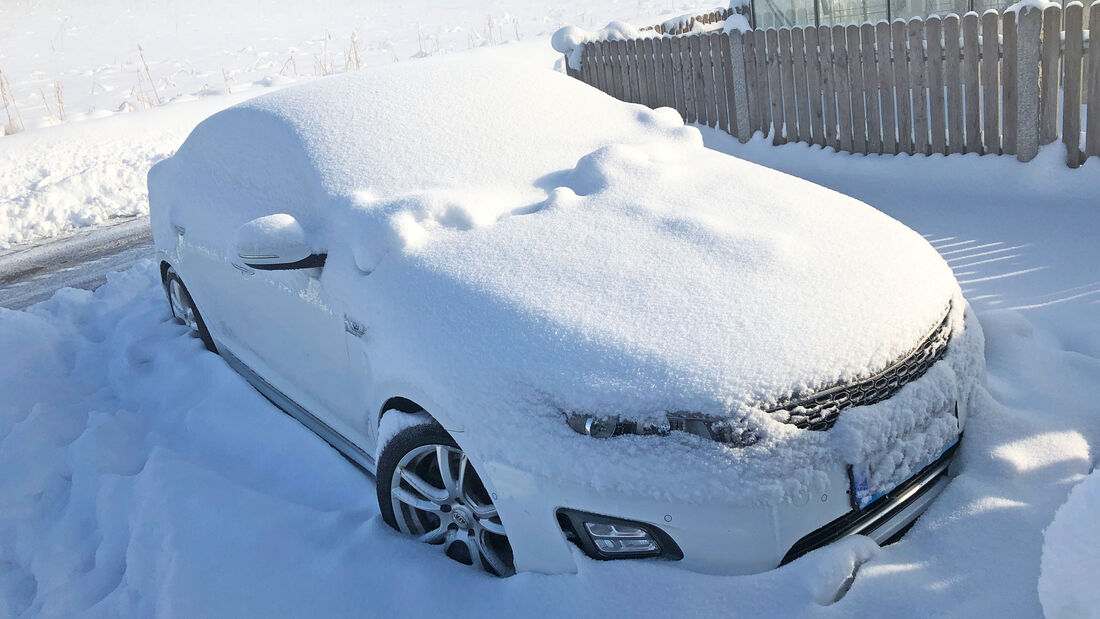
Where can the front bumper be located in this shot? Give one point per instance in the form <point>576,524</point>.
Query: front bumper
<point>713,538</point>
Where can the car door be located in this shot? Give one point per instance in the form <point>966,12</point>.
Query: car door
<point>292,332</point>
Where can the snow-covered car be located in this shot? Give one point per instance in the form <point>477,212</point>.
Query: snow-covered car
<point>553,324</point>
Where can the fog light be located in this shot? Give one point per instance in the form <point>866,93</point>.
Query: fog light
<point>617,539</point>
<point>605,537</point>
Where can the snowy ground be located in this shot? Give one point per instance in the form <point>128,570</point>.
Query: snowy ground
<point>124,490</point>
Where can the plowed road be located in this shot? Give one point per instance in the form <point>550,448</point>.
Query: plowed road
<point>32,274</point>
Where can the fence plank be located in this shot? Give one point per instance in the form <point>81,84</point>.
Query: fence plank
<point>917,82</point>
<point>615,77</point>
<point>814,87</point>
<point>971,89</point>
<point>630,65</point>
<point>1009,83</point>
<point>687,75</point>
<point>646,82</point>
<point>1048,88</point>
<point>660,97</point>
<point>1071,84</point>
<point>642,71</point>
<point>678,57</point>
<point>886,88</point>
<point>720,62</point>
<point>802,98</point>
<point>1092,118</point>
<point>843,88</point>
<point>737,81</point>
<point>599,65</point>
<point>937,119</point>
<point>870,87</point>
<point>828,85</point>
<point>991,86</point>
<point>584,74</point>
<point>786,69</point>
<point>901,87</point>
<point>774,86</point>
<point>759,46</point>
<point>751,85</point>
<point>704,81</point>
<point>652,51</point>
<point>953,77</point>
<point>1028,33</point>
<point>667,58</point>
<point>855,80</point>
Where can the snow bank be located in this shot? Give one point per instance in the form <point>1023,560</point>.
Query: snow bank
<point>1071,556</point>
<point>55,181</point>
<point>570,40</point>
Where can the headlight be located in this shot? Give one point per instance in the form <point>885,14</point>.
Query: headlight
<point>733,432</point>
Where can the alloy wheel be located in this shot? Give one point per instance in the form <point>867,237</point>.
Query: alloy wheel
<point>439,498</point>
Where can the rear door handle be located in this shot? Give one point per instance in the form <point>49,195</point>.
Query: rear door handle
<point>245,271</point>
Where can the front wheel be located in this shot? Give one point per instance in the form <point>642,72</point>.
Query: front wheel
<point>428,489</point>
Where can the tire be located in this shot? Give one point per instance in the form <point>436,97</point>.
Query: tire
<point>184,310</point>
<point>457,514</point>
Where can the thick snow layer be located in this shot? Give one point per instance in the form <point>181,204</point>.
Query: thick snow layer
<point>1068,583</point>
<point>737,22</point>
<point>587,274</point>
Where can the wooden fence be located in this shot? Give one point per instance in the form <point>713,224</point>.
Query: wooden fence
<point>986,84</point>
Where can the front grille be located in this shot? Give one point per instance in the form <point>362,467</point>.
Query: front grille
<point>819,410</point>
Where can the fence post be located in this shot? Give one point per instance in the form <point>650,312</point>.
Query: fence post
<point>1092,119</point>
<point>991,83</point>
<point>1071,104</point>
<point>740,105</point>
<point>1030,22</point>
<point>1048,86</point>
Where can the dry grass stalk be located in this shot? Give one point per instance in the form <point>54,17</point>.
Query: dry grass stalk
<point>15,125</point>
<point>225,77</point>
<point>293,64</point>
<point>352,60</point>
<point>148,75</point>
<point>46,103</point>
<point>60,94</point>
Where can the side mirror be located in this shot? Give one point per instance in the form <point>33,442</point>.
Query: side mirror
<point>275,243</point>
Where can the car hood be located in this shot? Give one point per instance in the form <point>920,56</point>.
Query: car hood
<point>656,276</point>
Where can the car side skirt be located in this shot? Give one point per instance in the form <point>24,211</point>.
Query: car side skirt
<point>341,443</point>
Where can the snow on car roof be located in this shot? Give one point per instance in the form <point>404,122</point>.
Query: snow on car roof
<point>513,235</point>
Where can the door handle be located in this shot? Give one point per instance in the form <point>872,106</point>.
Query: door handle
<point>245,271</point>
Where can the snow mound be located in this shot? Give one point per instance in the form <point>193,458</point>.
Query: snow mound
<point>1071,556</point>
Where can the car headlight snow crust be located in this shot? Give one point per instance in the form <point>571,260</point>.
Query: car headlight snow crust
<point>732,432</point>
